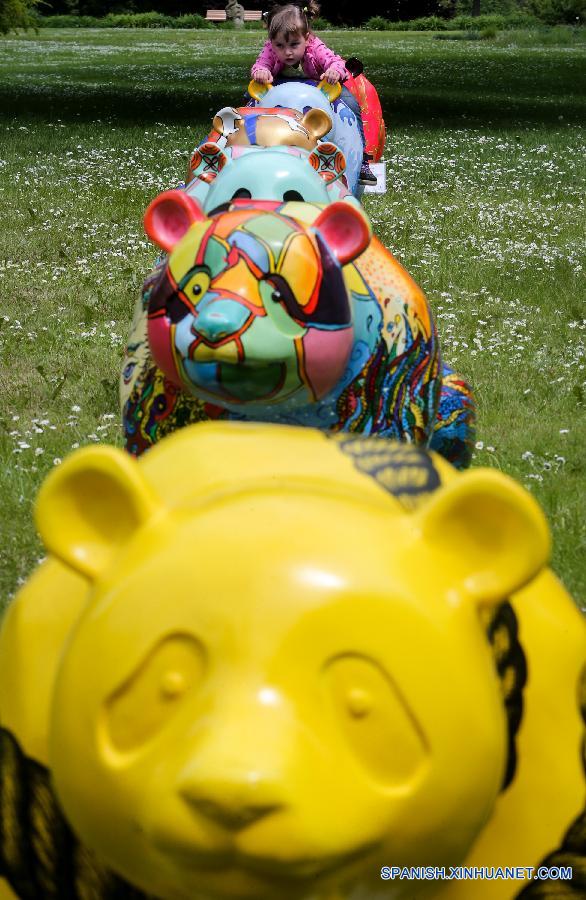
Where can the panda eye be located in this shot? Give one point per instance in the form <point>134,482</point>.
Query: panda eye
<point>241,194</point>
<point>152,693</point>
<point>198,283</point>
<point>291,196</point>
<point>374,719</point>
<point>128,370</point>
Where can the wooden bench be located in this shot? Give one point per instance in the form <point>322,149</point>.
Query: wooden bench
<point>219,15</point>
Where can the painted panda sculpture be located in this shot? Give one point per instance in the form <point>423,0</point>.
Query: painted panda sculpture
<point>289,312</point>
<point>304,96</point>
<point>264,662</point>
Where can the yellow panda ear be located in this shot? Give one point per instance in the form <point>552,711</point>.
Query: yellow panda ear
<point>90,506</point>
<point>490,530</point>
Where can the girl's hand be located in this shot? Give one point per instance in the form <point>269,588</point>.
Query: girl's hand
<point>331,75</point>
<point>263,76</point>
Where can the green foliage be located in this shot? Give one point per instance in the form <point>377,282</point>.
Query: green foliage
<point>124,20</point>
<point>545,11</point>
<point>458,36</point>
<point>142,20</point>
<point>458,23</point>
<point>546,36</point>
<point>320,24</point>
<point>492,21</point>
<point>16,14</point>
<point>572,12</point>
<point>426,23</point>
<point>489,7</point>
<point>377,23</point>
<point>67,21</point>
<point>549,11</point>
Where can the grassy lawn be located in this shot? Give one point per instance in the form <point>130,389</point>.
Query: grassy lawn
<point>485,208</point>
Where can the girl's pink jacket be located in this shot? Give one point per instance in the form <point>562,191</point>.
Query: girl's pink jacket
<point>317,58</point>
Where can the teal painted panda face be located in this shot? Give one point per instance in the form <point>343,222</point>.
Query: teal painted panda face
<point>274,173</point>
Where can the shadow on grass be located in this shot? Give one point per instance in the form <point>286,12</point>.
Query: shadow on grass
<point>123,104</point>
<point>438,109</point>
<point>428,103</point>
<point>442,108</point>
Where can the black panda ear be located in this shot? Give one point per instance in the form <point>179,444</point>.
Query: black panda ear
<point>91,506</point>
<point>355,66</point>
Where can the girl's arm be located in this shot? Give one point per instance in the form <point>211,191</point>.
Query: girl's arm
<point>265,60</point>
<point>327,59</point>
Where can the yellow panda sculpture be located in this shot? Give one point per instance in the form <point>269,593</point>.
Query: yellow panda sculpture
<point>263,663</point>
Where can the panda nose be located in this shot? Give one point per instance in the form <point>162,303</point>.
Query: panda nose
<point>232,804</point>
<point>219,319</point>
<point>212,326</point>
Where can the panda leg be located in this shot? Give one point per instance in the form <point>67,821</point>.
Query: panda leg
<point>455,428</point>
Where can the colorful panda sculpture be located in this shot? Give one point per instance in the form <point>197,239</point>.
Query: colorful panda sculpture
<point>288,312</point>
<point>264,662</point>
<point>356,351</point>
<point>306,95</point>
<point>218,176</point>
<point>247,146</point>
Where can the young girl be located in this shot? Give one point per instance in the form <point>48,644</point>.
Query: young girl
<point>292,49</point>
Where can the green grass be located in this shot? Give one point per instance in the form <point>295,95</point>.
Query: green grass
<point>485,208</point>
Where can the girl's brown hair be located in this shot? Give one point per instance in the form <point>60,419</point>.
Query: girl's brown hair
<point>290,19</point>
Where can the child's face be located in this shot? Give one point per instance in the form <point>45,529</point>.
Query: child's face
<point>291,49</point>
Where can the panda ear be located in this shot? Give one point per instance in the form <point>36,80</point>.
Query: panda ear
<point>169,216</point>
<point>91,506</point>
<point>489,530</point>
<point>257,90</point>
<point>345,230</point>
<point>317,122</point>
<point>331,91</point>
<point>227,121</point>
